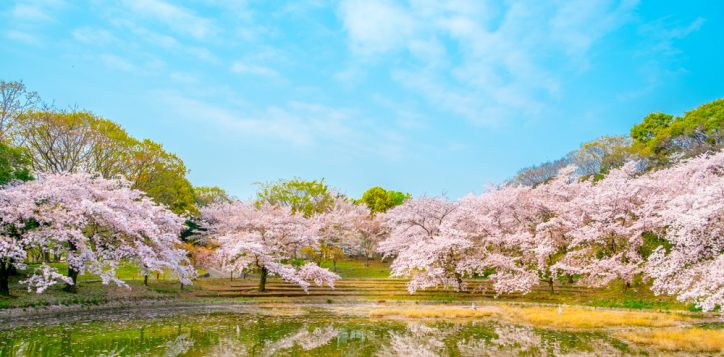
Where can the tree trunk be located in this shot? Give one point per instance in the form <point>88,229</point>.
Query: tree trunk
<point>158,275</point>
<point>145,280</point>
<point>73,275</point>
<point>231,276</point>
<point>262,279</point>
<point>367,261</point>
<point>4,279</point>
<point>550,284</point>
<point>334,265</point>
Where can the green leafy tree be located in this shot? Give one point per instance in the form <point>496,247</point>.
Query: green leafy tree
<point>663,139</point>
<point>14,164</point>
<point>83,142</point>
<point>208,195</point>
<point>307,197</point>
<point>162,175</point>
<point>378,200</point>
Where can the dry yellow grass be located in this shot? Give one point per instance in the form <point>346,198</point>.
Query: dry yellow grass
<point>680,339</point>
<point>431,312</point>
<point>579,317</point>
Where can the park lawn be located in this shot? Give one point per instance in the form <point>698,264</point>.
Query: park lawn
<point>355,268</point>
<point>124,272</point>
<point>94,293</point>
<point>376,274</point>
<point>91,291</point>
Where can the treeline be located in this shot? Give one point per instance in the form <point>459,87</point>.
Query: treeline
<point>658,141</point>
<point>38,138</point>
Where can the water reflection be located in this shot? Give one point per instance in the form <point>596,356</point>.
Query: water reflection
<point>314,332</point>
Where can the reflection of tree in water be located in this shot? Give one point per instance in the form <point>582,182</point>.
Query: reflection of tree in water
<point>417,340</point>
<point>227,347</point>
<point>509,340</point>
<point>422,340</point>
<point>303,338</point>
<point>180,345</point>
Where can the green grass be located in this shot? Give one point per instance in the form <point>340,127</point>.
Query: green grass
<point>92,292</point>
<point>124,272</point>
<point>356,269</point>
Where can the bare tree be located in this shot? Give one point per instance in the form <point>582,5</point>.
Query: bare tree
<point>15,99</point>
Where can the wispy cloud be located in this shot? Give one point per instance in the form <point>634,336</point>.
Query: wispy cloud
<point>23,37</point>
<point>35,10</point>
<point>296,123</point>
<point>663,34</point>
<point>179,19</point>
<point>487,64</point>
<point>29,12</point>
<point>263,71</point>
<point>117,62</point>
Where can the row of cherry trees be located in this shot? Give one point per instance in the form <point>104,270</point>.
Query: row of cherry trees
<point>96,224</point>
<point>268,239</point>
<point>666,226</point>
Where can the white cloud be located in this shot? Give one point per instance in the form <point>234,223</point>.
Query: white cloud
<point>117,62</point>
<point>295,123</point>
<point>29,12</point>
<point>21,36</point>
<point>376,25</point>
<point>487,64</point>
<point>242,68</point>
<point>663,34</point>
<point>175,17</point>
<point>94,36</point>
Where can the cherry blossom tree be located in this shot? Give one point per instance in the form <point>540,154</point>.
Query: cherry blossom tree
<point>601,231</point>
<point>607,238</point>
<point>555,219</point>
<point>499,224</point>
<point>689,208</point>
<point>95,223</point>
<point>342,229</point>
<point>264,238</point>
<point>371,230</point>
<point>420,248</point>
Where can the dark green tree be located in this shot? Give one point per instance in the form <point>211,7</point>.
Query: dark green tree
<point>14,164</point>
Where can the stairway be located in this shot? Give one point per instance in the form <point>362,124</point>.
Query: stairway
<point>375,288</point>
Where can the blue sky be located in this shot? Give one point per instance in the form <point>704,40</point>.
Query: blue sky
<point>421,96</point>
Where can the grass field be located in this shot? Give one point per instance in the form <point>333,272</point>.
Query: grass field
<point>359,282</point>
<point>355,268</point>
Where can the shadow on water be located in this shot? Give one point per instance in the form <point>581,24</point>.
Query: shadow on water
<point>291,331</point>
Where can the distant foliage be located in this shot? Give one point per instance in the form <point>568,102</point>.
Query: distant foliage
<point>14,164</point>
<point>379,200</point>
<point>664,139</point>
<point>210,195</point>
<point>307,197</point>
<point>659,141</point>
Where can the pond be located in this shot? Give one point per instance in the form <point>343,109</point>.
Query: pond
<point>240,330</point>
